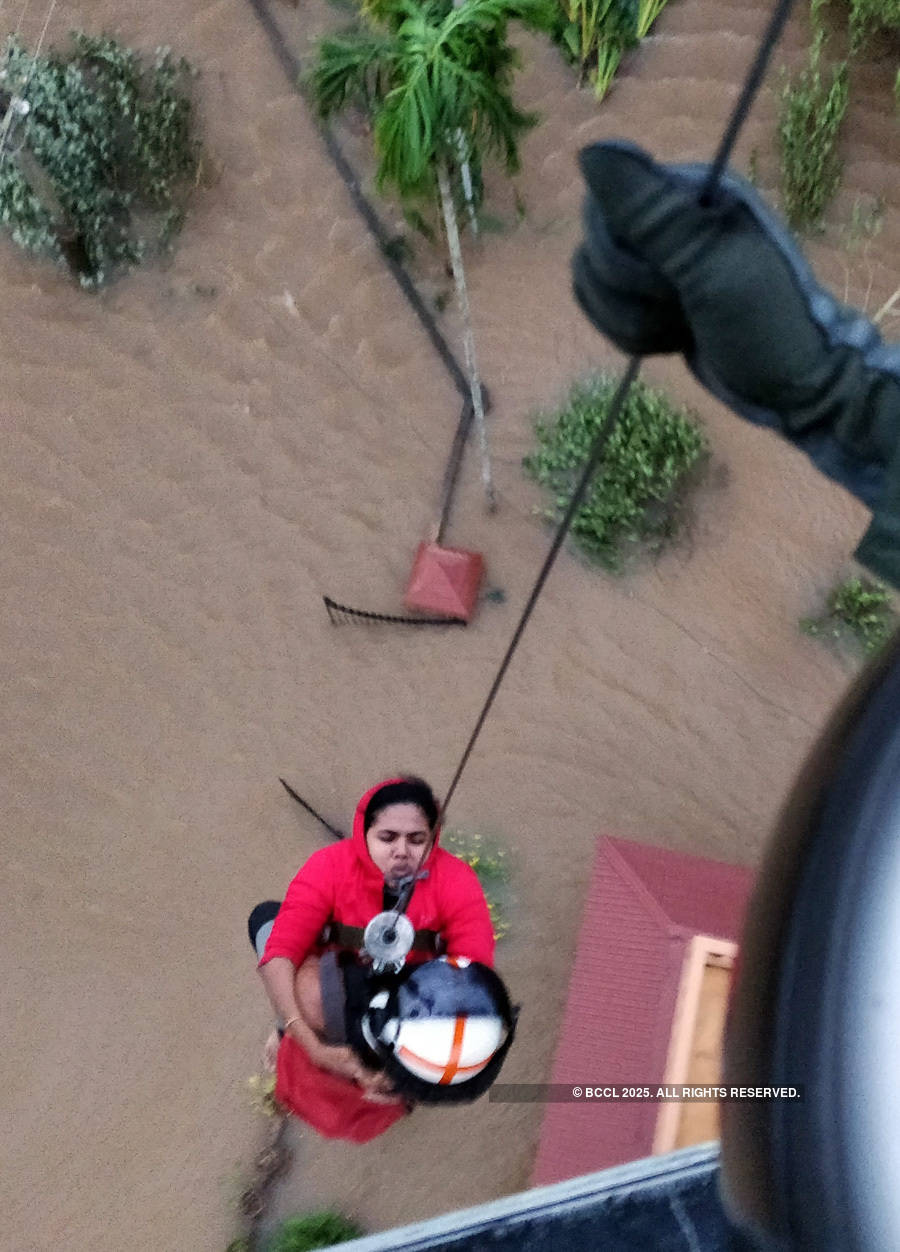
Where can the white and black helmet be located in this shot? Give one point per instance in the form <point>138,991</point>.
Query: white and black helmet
<point>442,1033</point>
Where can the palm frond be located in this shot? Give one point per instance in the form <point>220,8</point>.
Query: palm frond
<point>388,12</point>
<point>432,72</point>
<point>405,134</point>
<point>497,14</point>
<point>352,66</point>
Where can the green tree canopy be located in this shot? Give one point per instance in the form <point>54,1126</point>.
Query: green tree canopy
<point>428,71</point>
<point>97,152</point>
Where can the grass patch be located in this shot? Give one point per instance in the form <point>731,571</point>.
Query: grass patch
<point>99,154</point>
<point>859,611</point>
<point>313,1230</point>
<point>811,113</point>
<point>491,865</point>
<point>650,461</point>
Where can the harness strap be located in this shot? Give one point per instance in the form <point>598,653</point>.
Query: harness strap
<point>352,937</point>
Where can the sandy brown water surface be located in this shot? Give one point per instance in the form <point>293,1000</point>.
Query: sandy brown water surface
<point>192,459</point>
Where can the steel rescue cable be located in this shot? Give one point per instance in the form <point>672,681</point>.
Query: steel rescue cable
<point>707,196</point>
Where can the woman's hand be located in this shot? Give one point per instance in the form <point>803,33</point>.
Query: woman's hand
<point>343,1061</point>
<point>378,1089</point>
<point>336,1059</point>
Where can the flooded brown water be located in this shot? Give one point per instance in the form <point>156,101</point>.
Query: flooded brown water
<point>193,459</point>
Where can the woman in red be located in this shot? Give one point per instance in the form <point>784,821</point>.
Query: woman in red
<point>320,1075</point>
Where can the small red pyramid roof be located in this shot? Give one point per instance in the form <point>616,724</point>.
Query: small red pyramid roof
<point>444,581</point>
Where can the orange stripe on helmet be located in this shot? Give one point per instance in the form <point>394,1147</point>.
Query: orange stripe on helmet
<point>449,1071</point>
<point>452,1069</point>
<point>409,1055</point>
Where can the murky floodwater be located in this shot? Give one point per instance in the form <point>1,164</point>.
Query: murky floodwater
<point>193,459</point>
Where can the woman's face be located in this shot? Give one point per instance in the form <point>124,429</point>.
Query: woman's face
<point>396,840</point>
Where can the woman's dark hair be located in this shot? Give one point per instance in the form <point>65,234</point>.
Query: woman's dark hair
<point>408,790</point>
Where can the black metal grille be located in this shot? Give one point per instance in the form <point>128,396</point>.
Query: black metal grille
<point>340,614</point>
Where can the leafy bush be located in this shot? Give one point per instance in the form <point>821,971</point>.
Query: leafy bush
<point>866,17</point>
<point>809,122</point>
<point>643,473</point>
<point>859,609</point>
<point>313,1230</point>
<point>490,865</point>
<point>96,165</point>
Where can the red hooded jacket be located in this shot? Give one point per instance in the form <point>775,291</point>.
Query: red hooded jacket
<point>342,883</point>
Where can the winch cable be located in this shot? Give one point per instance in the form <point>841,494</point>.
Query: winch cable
<point>707,196</point>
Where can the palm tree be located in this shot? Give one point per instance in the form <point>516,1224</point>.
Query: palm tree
<point>435,77</point>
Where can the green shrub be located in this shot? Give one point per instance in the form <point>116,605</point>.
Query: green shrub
<point>866,17</point>
<point>643,473</point>
<point>490,863</point>
<point>97,169</point>
<point>860,610</point>
<point>810,117</point>
<point>313,1230</point>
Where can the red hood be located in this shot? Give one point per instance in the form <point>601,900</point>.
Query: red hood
<point>359,834</point>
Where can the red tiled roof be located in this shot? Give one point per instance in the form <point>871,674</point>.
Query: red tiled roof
<point>644,906</point>
<point>702,896</point>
